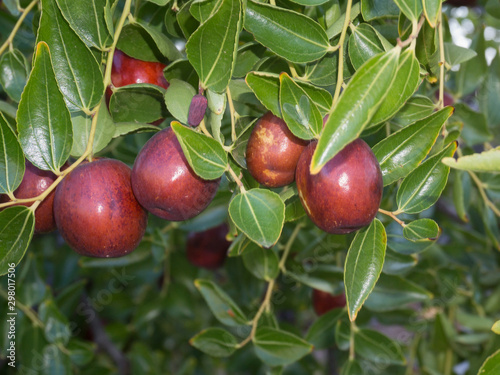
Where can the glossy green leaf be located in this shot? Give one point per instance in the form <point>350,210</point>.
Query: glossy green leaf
<point>299,112</point>
<point>325,277</point>
<point>262,263</point>
<point>187,23</point>
<point>396,263</point>
<point>277,348</point>
<point>321,332</point>
<point>204,154</point>
<point>260,214</point>
<point>336,28</point>
<point>89,24</point>
<point>455,55</point>
<point>105,131</point>
<point>43,121</point>
<point>416,108</point>
<point>76,68</point>
<point>431,11</point>
<point>422,230</point>
<point>123,128</point>
<point>203,10</point>
<point>357,105</point>
<point>372,9</point>
<point>310,3</point>
<point>410,8</point>
<point>146,43</point>
<point>423,187</point>
<point>323,72</point>
<point>215,342</point>
<point>221,305</point>
<point>11,159</point>
<point>363,45</point>
<point>492,365</point>
<point>402,151</point>
<point>393,292</point>
<point>294,210</point>
<point>13,73</point>
<point>239,245</point>
<point>139,102</point>
<point>404,85</point>
<point>178,99</point>
<point>486,161</point>
<point>377,347</point>
<point>212,47</point>
<point>266,87</point>
<point>248,55</point>
<point>289,34</point>
<point>181,70</point>
<point>16,230</point>
<point>363,265</point>
<point>399,244</point>
<point>217,106</point>
<point>426,44</point>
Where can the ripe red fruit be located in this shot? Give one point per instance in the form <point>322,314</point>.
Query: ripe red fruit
<point>324,302</point>
<point>345,195</point>
<point>165,184</point>
<point>96,211</point>
<point>208,249</point>
<point>34,183</point>
<point>273,152</point>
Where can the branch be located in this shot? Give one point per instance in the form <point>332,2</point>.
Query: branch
<point>18,24</point>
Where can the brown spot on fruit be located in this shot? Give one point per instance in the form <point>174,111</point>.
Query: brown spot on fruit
<point>345,195</point>
<point>165,184</point>
<point>273,152</point>
<point>96,211</point>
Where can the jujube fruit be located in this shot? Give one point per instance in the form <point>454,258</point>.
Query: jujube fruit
<point>96,211</point>
<point>208,249</point>
<point>273,152</point>
<point>324,302</point>
<point>345,195</point>
<point>165,184</point>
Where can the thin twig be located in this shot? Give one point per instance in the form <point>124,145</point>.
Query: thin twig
<point>18,24</point>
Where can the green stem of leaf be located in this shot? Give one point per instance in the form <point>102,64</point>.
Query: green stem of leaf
<point>8,42</point>
<point>351,341</point>
<point>233,114</point>
<point>441,62</point>
<point>288,246</point>
<point>236,179</point>
<point>393,216</point>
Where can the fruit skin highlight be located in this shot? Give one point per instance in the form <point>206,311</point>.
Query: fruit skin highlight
<point>273,152</point>
<point>208,249</point>
<point>345,195</point>
<point>35,182</point>
<point>165,184</point>
<point>324,302</point>
<point>96,211</point>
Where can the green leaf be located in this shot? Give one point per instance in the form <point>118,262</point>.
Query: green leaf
<point>416,108</point>
<point>475,128</point>
<point>473,72</point>
<point>486,161</point>
<point>299,112</point>
<point>410,8</point>
<point>404,85</point>
<point>393,292</point>
<point>266,87</point>
<point>342,335</point>
<point>402,151</point>
<point>262,263</point>
<point>399,244</point>
<point>56,324</point>
<point>139,102</point>
<point>159,2</point>
<point>260,214</point>
<point>496,327</point>
<point>81,352</point>
<point>423,187</point>
<point>336,28</point>
<point>431,11</point>
<point>123,128</point>
<point>16,230</point>
<point>215,342</point>
<point>55,362</point>
<point>310,3</point>
<point>373,9</point>
<point>321,332</point>
<point>221,305</point>
<point>489,94</point>
<point>203,10</point>
<point>492,365</point>
<point>396,263</point>
<point>178,99</point>
<point>13,73</point>
<point>105,131</point>
<point>43,121</point>
<point>323,72</point>
<point>455,55</point>
<point>279,348</point>
<point>212,48</point>
<point>239,245</point>
<point>363,45</point>
<point>89,24</point>
<point>357,105</point>
<point>323,277</point>
<point>422,230</point>
<point>289,34</point>
<point>363,265</point>
<point>204,154</point>
<point>144,42</point>
<point>11,159</point>
<point>352,367</point>
<point>77,70</point>
<point>377,347</point>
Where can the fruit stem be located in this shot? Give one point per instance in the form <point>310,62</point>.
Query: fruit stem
<point>288,246</point>
<point>233,114</point>
<point>412,39</point>
<point>203,128</point>
<point>340,71</point>
<point>393,216</point>
<point>236,179</point>
<point>18,24</point>
<point>441,60</point>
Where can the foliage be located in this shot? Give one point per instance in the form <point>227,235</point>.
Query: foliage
<point>426,268</point>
